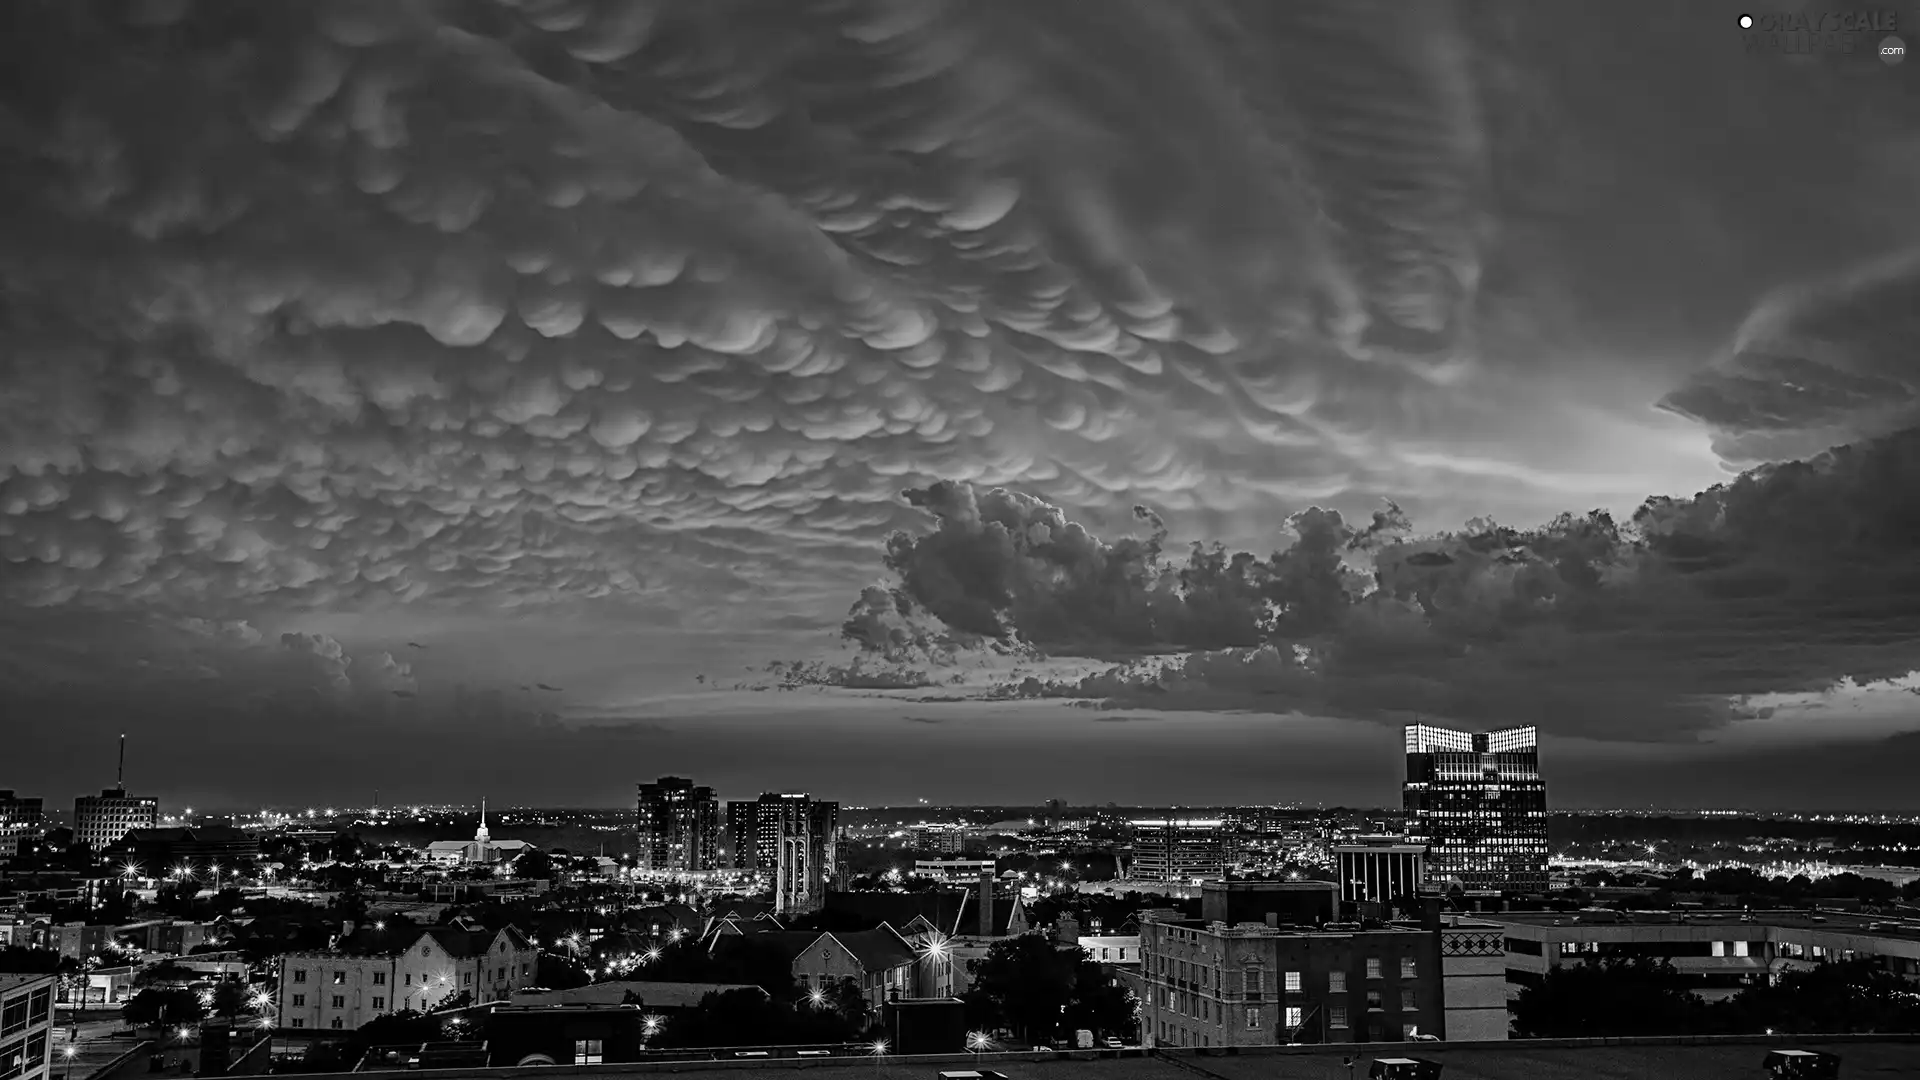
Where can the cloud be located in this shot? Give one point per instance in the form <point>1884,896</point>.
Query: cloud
<point>1816,364</point>
<point>1793,578</point>
<point>644,313</point>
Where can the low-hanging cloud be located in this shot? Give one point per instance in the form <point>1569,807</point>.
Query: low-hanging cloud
<point>1793,578</point>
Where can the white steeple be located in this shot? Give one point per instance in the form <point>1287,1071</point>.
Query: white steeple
<point>480,836</point>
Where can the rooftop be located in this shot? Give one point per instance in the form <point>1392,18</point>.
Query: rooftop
<point>12,981</point>
<point>1263,930</point>
<point>1668,1059</point>
<point>1189,823</point>
<point>1831,921</point>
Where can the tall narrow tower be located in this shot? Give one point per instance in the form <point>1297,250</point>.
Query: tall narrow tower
<point>120,777</point>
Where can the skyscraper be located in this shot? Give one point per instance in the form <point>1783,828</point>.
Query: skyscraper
<point>1476,799</point>
<point>679,826</point>
<point>21,821</point>
<point>101,820</point>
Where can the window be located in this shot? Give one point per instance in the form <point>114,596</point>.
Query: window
<point>339,1001</point>
<point>1294,1019</point>
<point>1293,982</point>
<point>1742,948</point>
<point>299,975</point>
<point>37,1046</point>
<point>1373,967</point>
<point>1406,999</point>
<point>1373,1000</point>
<point>1337,1016</point>
<point>1253,984</point>
<point>339,978</point>
<point>42,1005</point>
<point>409,978</point>
<point>297,1022</point>
<point>1336,982</point>
<point>379,978</point>
<point>466,977</point>
<point>299,1000</point>
<point>1409,968</point>
<point>1719,948</point>
<point>1253,1019</point>
<point>379,1003</point>
<point>337,1024</point>
<point>13,1018</point>
<point>586,1051</point>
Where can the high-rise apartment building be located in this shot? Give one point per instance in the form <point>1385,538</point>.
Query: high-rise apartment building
<point>792,836</point>
<point>1189,849</point>
<point>1478,803</point>
<point>679,826</point>
<point>26,1026</point>
<point>101,820</point>
<point>21,822</point>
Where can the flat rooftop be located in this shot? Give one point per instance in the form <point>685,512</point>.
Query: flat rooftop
<point>1832,921</point>
<point>1518,1060</point>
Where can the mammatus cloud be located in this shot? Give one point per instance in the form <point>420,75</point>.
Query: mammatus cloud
<point>647,309</point>
<point>1794,577</point>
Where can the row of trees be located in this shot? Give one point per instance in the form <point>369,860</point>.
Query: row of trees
<point>1629,997</point>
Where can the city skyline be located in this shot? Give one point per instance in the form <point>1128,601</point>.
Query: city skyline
<point>1116,402</point>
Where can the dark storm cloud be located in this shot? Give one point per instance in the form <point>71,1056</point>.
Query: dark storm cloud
<point>370,308</point>
<point>1792,578</point>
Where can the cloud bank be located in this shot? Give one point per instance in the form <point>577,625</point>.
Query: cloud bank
<point>1794,578</point>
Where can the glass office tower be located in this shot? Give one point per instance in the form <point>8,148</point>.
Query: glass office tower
<point>1477,801</point>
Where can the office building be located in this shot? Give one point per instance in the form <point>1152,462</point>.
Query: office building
<point>21,823</point>
<point>1218,984</point>
<point>679,826</point>
<point>1190,849</point>
<point>1379,869</point>
<point>940,839</point>
<point>1718,953</point>
<point>100,820</point>
<point>1476,800</point>
<point>204,850</point>
<point>26,1026</point>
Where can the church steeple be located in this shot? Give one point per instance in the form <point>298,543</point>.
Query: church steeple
<point>480,836</point>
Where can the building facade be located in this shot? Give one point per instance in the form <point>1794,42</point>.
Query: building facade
<point>791,836</point>
<point>679,826</point>
<point>940,839</point>
<point>1190,849</point>
<point>742,821</point>
<point>1719,953</point>
<point>1379,869</point>
<point>968,870</point>
<point>21,823</point>
<point>1477,801</point>
<point>339,991</point>
<point>1473,979</point>
<point>100,821</point>
<point>26,1026</point>
<point>201,850</point>
<point>1215,984</point>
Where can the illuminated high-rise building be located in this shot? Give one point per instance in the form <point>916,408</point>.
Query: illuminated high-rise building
<point>1477,801</point>
<point>679,826</point>
<point>101,820</point>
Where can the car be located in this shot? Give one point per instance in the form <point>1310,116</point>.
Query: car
<point>1115,1044</point>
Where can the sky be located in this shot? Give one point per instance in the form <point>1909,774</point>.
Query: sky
<point>978,401</point>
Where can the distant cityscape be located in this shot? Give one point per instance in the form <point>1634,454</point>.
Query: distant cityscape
<point>328,939</point>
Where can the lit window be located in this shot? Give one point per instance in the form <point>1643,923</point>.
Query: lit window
<point>1408,968</point>
<point>1253,1019</point>
<point>1294,1019</point>
<point>1336,982</point>
<point>1337,1016</point>
<point>1373,967</point>
<point>1293,982</point>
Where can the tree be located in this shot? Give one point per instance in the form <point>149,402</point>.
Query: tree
<point>229,997</point>
<point>163,1005</point>
<point>1024,983</point>
<point>1836,998</point>
<point>399,1029</point>
<point>1101,1004</point>
<point>533,863</point>
<point>1612,998</point>
<point>559,973</point>
<point>750,1018</point>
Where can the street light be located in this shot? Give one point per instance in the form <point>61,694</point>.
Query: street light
<point>976,1042</point>
<point>70,1052</point>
